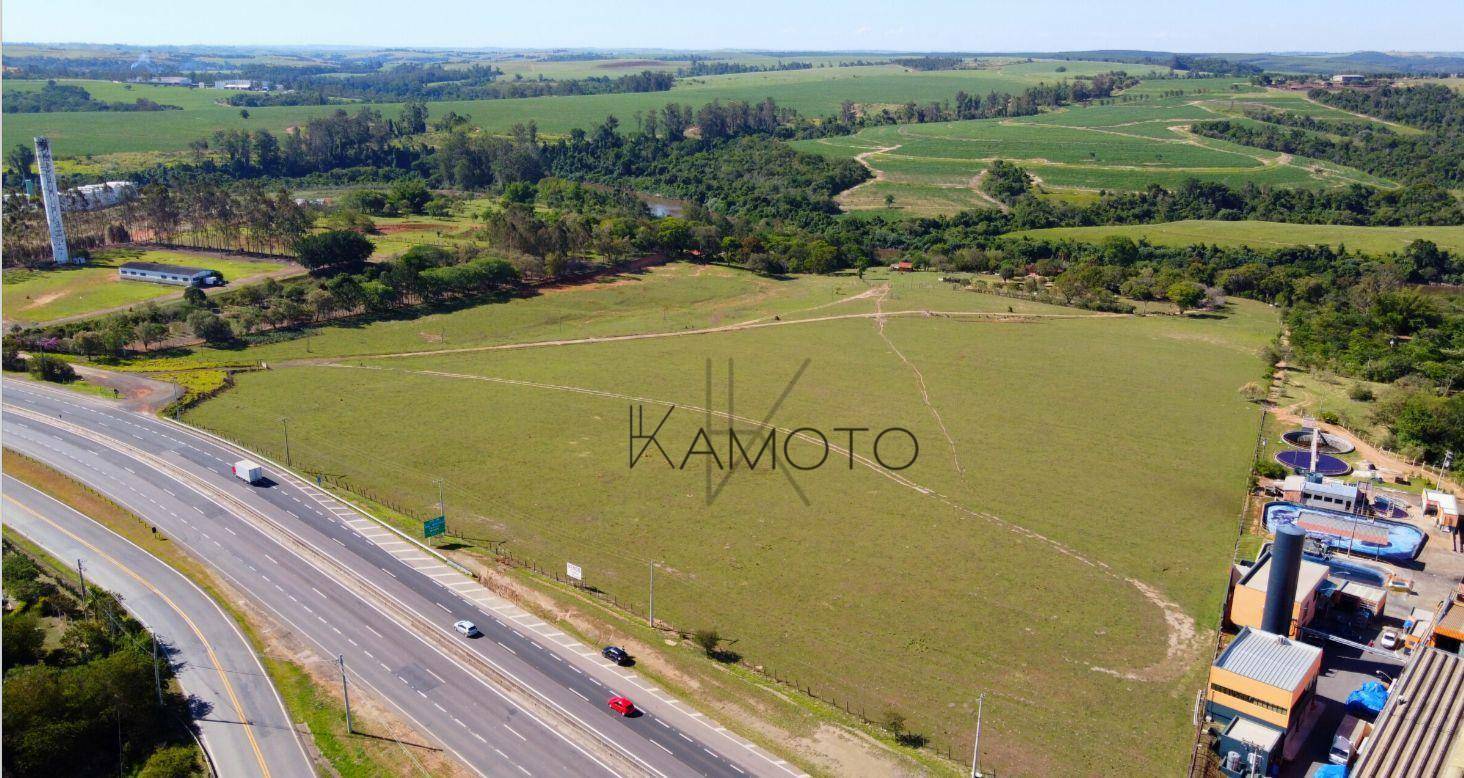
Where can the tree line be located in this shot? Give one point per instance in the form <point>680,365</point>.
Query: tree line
<point>69,97</point>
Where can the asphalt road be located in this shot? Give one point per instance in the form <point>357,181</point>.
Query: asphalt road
<point>240,718</point>
<point>543,714</point>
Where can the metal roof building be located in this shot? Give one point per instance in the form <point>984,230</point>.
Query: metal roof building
<point>177,275</point>
<point>1421,729</point>
<point>1269,659</point>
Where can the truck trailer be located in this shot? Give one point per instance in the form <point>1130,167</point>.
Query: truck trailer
<point>248,472</point>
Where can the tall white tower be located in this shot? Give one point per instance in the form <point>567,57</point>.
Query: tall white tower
<point>52,201</point>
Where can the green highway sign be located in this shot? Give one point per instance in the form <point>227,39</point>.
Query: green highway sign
<point>437,526</point>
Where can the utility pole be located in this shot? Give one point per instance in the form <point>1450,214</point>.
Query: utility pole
<point>157,673</point>
<point>82,575</point>
<point>441,503</point>
<point>346,693</point>
<point>976,747</point>
<point>651,613</point>
<point>286,422</point>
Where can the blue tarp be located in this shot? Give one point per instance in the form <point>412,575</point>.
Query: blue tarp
<point>1372,696</point>
<point>1331,771</point>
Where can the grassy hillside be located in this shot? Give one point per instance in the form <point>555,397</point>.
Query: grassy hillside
<point>1262,234</point>
<point>818,92</point>
<point>1002,561</point>
<point>53,293</point>
<point>933,168</point>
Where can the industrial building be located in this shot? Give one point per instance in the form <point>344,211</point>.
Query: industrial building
<point>1348,79</point>
<point>176,275</point>
<point>1421,729</point>
<point>1248,598</point>
<point>1322,494</point>
<point>1248,747</point>
<point>1443,506</point>
<point>1264,677</point>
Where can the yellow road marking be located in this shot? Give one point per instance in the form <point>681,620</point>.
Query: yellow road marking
<point>213,658</point>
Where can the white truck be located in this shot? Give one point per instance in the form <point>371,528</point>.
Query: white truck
<point>248,472</point>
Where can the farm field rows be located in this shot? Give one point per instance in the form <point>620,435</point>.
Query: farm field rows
<point>54,293</point>
<point>1261,235</point>
<point>817,92</point>
<point>1011,558</point>
<point>928,168</point>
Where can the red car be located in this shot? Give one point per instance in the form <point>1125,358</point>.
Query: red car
<point>622,705</point>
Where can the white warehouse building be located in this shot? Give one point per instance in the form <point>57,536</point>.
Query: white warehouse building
<point>176,275</point>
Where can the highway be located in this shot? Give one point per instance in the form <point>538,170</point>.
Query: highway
<point>522,700</point>
<point>243,724</point>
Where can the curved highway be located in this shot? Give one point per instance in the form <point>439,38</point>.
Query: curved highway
<point>241,721</point>
<point>515,701</point>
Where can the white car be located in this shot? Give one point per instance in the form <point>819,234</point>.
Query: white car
<point>1389,639</point>
<point>467,628</point>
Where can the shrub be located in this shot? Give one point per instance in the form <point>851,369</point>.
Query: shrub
<point>50,368</point>
<point>1330,417</point>
<point>709,640</point>
<point>1361,393</point>
<point>10,359</point>
<point>1268,468</point>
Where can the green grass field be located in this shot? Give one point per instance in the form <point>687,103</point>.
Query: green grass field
<point>45,295</point>
<point>1373,240</point>
<point>933,168</point>
<point>817,92</point>
<point>1072,456</point>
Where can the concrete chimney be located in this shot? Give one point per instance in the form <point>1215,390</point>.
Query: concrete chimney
<point>1281,584</point>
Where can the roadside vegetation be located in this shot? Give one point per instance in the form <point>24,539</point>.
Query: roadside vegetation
<point>79,695</point>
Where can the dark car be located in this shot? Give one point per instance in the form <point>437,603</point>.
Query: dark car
<point>615,654</point>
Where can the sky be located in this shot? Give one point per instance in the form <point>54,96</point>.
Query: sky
<point>913,25</point>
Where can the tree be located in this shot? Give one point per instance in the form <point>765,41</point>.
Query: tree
<point>243,113</point>
<point>195,297</point>
<point>709,639</point>
<point>1253,392</point>
<point>51,368</point>
<point>1185,295</point>
<point>19,159</point>
<point>150,332</point>
<point>174,762</point>
<point>889,201</point>
<point>335,252</point>
<point>409,195</point>
<point>207,325</point>
<point>413,119</point>
<point>23,640</point>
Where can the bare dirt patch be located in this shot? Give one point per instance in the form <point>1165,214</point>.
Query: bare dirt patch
<point>392,229</point>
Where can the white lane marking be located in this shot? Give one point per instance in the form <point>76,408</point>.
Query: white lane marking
<point>443,607</point>
<point>515,732</point>
<point>663,748</point>
<point>581,696</point>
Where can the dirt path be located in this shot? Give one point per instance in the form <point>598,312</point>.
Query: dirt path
<point>879,325</point>
<point>976,189</point>
<point>1000,318</point>
<point>1182,644</point>
<point>141,393</point>
<point>879,175</point>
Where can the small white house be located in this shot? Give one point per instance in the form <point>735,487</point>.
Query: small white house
<point>1443,506</point>
<point>175,275</point>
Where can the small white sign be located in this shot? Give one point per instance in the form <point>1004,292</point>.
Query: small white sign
<point>573,571</point>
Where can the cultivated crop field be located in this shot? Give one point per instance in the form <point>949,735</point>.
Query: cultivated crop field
<point>817,92</point>
<point>934,168</point>
<point>1261,235</point>
<point>54,293</point>
<point>1049,546</point>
